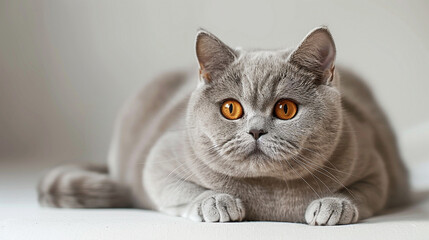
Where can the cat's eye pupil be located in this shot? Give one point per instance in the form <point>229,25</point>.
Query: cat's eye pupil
<point>285,108</point>
<point>230,108</point>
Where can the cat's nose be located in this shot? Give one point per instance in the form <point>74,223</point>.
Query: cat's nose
<point>257,133</point>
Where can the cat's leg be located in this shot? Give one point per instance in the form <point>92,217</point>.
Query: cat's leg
<point>358,201</point>
<point>170,185</point>
<point>199,204</point>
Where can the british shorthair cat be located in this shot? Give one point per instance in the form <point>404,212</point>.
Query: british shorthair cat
<point>256,135</point>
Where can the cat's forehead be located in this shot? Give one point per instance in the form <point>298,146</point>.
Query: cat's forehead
<point>260,63</point>
<point>257,78</point>
<point>260,77</point>
<point>262,57</point>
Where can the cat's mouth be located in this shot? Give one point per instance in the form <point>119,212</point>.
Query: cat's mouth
<point>257,151</point>
<point>264,151</point>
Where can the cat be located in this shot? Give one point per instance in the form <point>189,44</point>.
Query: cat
<point>257,135</point>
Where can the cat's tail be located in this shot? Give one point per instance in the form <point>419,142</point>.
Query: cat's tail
<point>81,187</point>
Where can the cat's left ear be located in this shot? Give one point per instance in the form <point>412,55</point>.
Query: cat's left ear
<point>316,53</point>
<point>213,55</point>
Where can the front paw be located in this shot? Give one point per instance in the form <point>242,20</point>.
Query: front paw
<point>331,211</point>
<point>217,207</point>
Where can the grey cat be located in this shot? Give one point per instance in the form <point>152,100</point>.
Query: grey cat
<point>262,135</point>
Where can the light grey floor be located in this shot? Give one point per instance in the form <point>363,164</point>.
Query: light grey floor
<point>22,218</point>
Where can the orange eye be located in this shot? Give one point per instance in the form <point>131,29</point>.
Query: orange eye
<point>285,109</point>
<point>231,109</point>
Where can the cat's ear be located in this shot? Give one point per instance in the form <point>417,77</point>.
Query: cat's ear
<point>213,55</point>
<point>316,53</point>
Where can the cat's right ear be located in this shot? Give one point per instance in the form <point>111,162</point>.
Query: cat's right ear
<point>213,55</point>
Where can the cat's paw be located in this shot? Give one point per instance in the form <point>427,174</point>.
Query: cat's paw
<point>331,211</point>
<point>217,207</point>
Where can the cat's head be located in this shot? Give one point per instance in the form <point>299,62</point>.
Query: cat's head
<point>261,113</point>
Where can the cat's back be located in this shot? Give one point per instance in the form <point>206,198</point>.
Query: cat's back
<point>361,106</point>
<point>159,106</point>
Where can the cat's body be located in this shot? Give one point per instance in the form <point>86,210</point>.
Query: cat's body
<point>173,152</point>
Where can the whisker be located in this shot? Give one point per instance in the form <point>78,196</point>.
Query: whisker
<point>302,164</point>
<point>303,179</point>
<point>327,161</point>
<point>332,177</point>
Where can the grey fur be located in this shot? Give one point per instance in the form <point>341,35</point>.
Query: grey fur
<point>335,162</point>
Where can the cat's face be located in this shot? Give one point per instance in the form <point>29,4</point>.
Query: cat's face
<point>258,140</point>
